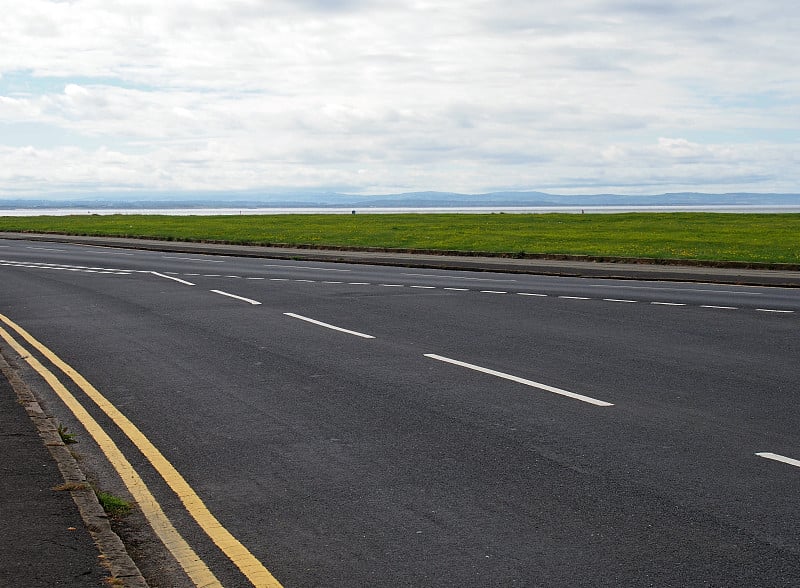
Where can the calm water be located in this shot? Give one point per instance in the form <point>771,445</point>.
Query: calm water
<point>376,210</point>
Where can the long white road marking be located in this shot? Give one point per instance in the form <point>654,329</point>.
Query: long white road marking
<point>308,267</point>
<point>328,325</point>
<point>774,310</point>
<point>532,294</point>
<point>620,300</point>
<point>668,303</point>
<point>679,289</point>
<point>194,259</point>
<point>242,298</point>
<point>66,268</point>
<point>780,458</point>
<point>172,278</point>
<point>519,380</point>
<point>719,307</point>
<point>457,289</point>
<point>460,278</point>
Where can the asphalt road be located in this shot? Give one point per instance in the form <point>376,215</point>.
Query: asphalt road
<point>355,425</point>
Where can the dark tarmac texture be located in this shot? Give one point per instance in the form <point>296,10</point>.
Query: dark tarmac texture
<point>43,540</point>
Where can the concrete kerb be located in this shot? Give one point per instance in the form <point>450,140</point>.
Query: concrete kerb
<point>112,552</point>
<point>778,275</point>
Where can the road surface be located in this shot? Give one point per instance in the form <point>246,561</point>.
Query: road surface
<point>352,425</point>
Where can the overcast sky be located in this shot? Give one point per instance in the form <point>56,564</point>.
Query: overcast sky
<point>362,96</point>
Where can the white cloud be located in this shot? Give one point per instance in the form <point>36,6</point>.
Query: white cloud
<point>587,95</point>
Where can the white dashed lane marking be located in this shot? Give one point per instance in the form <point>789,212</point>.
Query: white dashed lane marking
<point>460,278</point>
<point>172,278</point>
<point>328,325</point>
<point>194,259</point>
<point>66,268</point>
<point>307,267</point>
<point>519,380</point>
<point>234,296</point>
<point>665,289</point>
<point>529,294</point>
<point>169,274</point>
<point>780,458</point>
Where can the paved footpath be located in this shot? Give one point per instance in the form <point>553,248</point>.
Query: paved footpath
<point>44,541</point>
<point>45,536</point>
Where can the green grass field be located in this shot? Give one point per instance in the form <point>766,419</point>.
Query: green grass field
<point>765,238</point>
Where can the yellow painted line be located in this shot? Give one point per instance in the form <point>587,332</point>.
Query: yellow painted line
<point>194,567</point>
<point>247,563</point>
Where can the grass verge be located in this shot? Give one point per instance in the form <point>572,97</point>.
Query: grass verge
<point>762,238</point>
<point>114,506</point>
<point>66,437</point>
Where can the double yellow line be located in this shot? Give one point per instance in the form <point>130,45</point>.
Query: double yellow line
<point>194,567</point>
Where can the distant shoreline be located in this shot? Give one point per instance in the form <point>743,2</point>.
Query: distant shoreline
<point>213,211</point>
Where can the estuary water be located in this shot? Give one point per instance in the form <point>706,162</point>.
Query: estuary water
<point>744,208</point>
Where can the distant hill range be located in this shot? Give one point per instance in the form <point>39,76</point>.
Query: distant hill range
<point>255,199</point>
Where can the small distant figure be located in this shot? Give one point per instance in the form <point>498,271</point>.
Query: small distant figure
<point>581,211</point>
<point>353,212</point>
